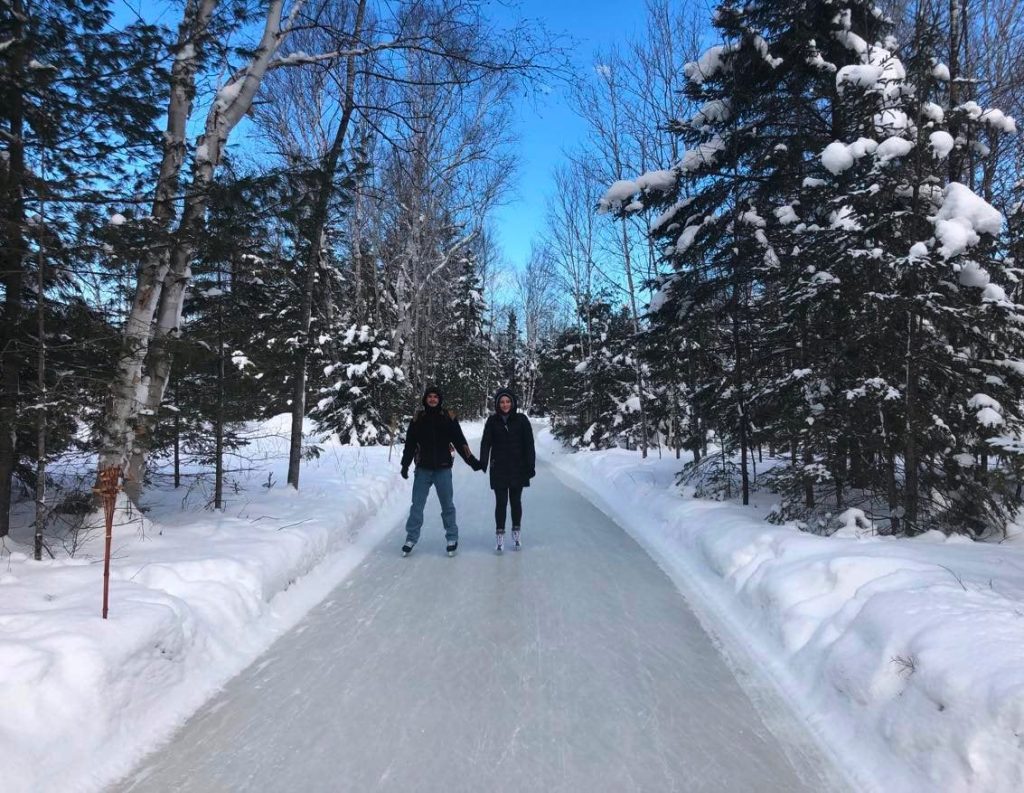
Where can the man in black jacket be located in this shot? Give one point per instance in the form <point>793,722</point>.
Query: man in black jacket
<point>432,436</point>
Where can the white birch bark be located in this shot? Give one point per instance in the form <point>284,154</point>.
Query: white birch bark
<point>127,386</point>
<point>233,101</point>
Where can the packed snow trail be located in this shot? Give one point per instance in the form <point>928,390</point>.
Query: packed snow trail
<point>573,665</point>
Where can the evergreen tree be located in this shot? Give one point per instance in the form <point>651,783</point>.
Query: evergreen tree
<point>366,387</point>
<point>917,400</point>
<point>464,366</point>
<point>509,351</point>
<point>218,390</point>
<point>832,291</point>
<point>593,396</point>
<point>76,111</point>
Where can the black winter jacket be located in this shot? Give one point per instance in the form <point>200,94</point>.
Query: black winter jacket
<point>508,447</point>
<point>432,434</point>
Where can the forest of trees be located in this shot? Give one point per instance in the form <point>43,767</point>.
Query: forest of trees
<point>786,252</point>
<point>266,207</point>
<point>826,208</point>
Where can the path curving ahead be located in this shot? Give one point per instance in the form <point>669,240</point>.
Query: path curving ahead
<point>574,666</point>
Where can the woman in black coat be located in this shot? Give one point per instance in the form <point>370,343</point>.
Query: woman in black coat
<point>507,445</point>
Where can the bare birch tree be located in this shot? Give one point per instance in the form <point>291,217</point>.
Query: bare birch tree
<point>143,372</point>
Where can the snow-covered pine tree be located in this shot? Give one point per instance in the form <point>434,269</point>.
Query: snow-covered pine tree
<point>267,277</point>
<point>508,351</point>
<point>77,111</point>
<point>218,387</point>
<point>464,366</point>
<point>833,289</point>
<point>816,324</point>
<point>670,413</point>
<point>364,387</point>
<point>592,397</point>
<point>759,119</point>
<point>892,293</point>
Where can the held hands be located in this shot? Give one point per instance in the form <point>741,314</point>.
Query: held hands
<point>475,464</point>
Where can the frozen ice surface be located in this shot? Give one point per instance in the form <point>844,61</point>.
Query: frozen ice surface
<point>572,666</point>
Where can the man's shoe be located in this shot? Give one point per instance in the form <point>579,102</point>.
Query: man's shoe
<point>453,547</point>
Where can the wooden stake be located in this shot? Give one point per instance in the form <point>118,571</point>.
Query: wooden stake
<point>107,489</point>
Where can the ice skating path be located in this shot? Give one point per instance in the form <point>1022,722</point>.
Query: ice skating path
<point>573,666</point>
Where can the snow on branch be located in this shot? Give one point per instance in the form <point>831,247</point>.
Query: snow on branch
<point>662,181</point>
<point>961,220</point>
<point>306,59</point>
<point>709,64</point>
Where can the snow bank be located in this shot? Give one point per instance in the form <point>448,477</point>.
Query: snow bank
<point>192,602</point>
<point>903,655</point>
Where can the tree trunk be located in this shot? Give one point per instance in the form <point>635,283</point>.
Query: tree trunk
<point>12,259</point>
<point>808,450</point>
<point>808,482</point>
<point>738,384</point>
<point>955,157</point>
<point>123,403</point>
<point>314,260</point>
<point>42,396</point>
<point>895,510</point>
<point>910,459</point>
<point>218,452</point>
<point>177,449</point>
<point>227,111</point>
<point>968,93</point>
<point>841,469</point>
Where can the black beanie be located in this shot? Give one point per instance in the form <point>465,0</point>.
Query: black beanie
<point>430,389</point>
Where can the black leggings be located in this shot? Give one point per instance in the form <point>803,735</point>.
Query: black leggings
<point>502,495</point>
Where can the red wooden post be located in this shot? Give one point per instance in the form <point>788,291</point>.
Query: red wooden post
<point>107,488</point>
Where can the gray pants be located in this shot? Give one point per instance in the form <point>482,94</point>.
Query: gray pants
<point>441,479</point>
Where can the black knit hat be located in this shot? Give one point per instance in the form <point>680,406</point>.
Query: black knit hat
<point>431,389</point>
<point>510,394</point>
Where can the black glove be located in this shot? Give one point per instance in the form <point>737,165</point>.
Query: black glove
<point>405,472</point>
<point>533,473</point>
<point>475,464</point>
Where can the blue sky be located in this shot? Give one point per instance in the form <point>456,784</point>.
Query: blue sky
<point>547,126</point>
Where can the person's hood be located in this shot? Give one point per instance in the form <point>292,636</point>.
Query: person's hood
<point>509,393</point>
<point>433,390</point>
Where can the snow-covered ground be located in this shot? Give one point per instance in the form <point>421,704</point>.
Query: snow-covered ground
<point>905,656</point>
<point>574,666</point>
<point>195,596</point>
